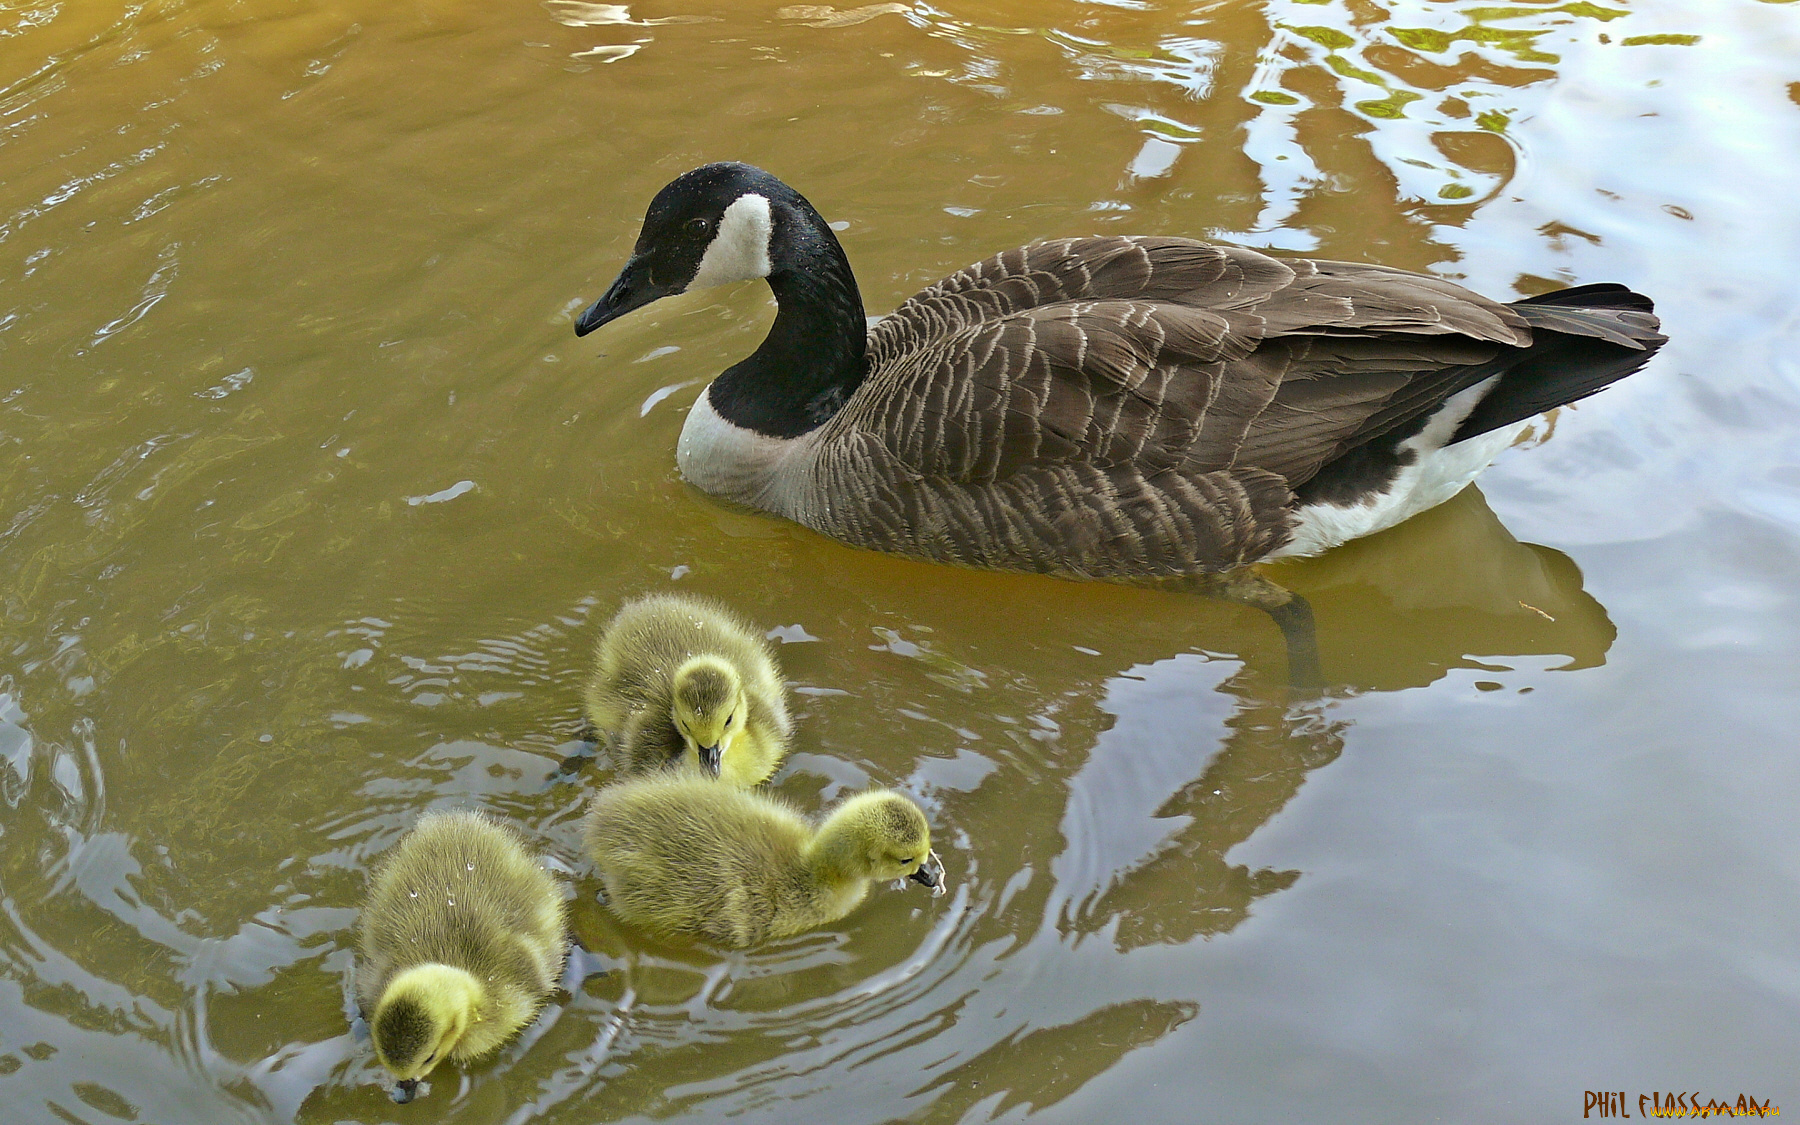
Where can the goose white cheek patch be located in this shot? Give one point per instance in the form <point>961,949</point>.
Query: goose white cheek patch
<point>740,249</point>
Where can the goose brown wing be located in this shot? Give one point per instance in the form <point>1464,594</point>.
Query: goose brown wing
<point>1138,405</point>
<point>1178,270</point>
<point>1041,410</point>
<point>1339,392</point>
<point>1167,354</point>
<point>1109,383</point>
<point>1061,438</point>
<point>1288,295</point>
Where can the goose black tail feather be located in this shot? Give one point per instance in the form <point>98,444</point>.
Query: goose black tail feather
<point>1584,339</point>
<point>1602,294</point>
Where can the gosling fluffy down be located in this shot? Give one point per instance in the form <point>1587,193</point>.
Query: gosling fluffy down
<point>685,682</point>
<point>679,855</point>
<point>461,940</point>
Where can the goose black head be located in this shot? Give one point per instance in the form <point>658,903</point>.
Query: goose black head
<point>713,225</point>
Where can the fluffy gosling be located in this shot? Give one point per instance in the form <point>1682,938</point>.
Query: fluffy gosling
<point>680,855</point>
<point>461,941</point>
<point>685,682</point>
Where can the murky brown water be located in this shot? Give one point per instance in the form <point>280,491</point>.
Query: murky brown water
<point>311,501</point>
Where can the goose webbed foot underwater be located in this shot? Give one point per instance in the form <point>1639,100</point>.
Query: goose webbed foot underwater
<point>1294,617</point>
<point>1117,408</point>
<point>1290,612</point>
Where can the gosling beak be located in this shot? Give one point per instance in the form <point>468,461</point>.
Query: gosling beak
<point>405,1090</point>
<point>930,874</point>
<point>712,757</point>
<point>634,288</point>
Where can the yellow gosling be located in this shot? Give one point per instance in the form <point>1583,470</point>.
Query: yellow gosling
<point>679,855</point>
<point>685,682</point>
<point>460,942</point>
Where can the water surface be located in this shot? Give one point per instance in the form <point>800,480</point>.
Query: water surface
<point>310,502</point>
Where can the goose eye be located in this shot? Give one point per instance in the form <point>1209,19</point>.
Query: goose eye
<point>698,227</point>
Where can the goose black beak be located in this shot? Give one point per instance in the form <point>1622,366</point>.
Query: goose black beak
<point>711,758</point>
<point>930,874</point>
<point>405,1090</point>
<point>632,289</point>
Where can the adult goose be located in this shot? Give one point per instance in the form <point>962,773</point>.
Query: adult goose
<point>1117,408</point>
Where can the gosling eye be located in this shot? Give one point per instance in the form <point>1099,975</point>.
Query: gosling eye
<point>431,1058</point>
<point>698,227</point>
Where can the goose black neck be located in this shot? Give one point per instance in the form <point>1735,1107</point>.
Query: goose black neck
<point>815,353</point>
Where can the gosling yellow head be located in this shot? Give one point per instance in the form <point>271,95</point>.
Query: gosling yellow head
<point>421,1019</point>
<point>709,708</point>
<point>879,835</point>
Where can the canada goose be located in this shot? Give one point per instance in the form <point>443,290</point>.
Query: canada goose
<point>678,854</point>
<point>684,681</point>
<point>461,941</point>
<point>1118,407</point>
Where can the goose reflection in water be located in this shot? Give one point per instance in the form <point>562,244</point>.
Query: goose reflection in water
<point>1148,840</point>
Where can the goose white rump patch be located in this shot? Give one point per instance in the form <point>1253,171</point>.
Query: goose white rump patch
<point>1437,473</point>
<point>739,250</point>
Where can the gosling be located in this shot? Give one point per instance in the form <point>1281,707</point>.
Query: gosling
<point>684,682</point>
<point>461,941</point>
<point>679,855</point>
